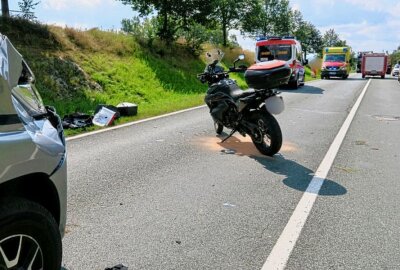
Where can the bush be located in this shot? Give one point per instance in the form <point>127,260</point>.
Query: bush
<point>144,30</point>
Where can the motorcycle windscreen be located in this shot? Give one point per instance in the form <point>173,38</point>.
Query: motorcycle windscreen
<point>10,70</point>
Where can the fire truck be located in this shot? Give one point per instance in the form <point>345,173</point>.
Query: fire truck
<point>287,49</point>
<point>374,64</point>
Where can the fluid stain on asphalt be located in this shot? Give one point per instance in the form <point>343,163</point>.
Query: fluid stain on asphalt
<point>238,145</point>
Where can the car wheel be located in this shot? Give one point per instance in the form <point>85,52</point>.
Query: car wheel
<point>29,236</point>
<point>295,84</point>
<point>303,80</point>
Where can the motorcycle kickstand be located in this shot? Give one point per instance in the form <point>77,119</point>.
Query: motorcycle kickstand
<point>230,135</point>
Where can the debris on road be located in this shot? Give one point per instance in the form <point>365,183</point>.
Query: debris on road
<point>117,267</point>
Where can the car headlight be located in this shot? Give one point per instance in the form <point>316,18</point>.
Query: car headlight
<point>343,67</point>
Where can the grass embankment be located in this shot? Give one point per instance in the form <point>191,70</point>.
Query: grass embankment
<point>77,70</point>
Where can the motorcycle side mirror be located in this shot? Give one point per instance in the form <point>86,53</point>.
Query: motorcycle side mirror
<point>240,57</point>
<point>305,62</point>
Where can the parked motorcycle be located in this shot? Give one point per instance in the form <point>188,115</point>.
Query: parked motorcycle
<point>247,112</point>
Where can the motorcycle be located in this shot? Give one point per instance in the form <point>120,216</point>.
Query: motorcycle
<point>247,112</point>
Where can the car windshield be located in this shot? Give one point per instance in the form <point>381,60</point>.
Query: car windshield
<point>334,58</point>
<point>272,52</point>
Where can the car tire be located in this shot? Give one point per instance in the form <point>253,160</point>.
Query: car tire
<point>295,84</point>
<point>30,228</point>
<point>303,81</point>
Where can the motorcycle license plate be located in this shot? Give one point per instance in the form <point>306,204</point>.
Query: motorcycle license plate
<point>275,104</point>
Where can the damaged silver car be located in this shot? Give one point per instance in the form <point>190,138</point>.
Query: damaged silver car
<point>33,174</point>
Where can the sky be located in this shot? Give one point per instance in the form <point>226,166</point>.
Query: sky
<point>366,25</point>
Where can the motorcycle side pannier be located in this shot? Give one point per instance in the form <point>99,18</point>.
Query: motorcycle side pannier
<point>267,75</point>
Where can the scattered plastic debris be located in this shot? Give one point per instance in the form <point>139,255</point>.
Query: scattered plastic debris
<point>361,143</point>
<point>104,117</point>
<point>127,109</point>
<point>117,267</point>
<point>229,205</point>
<point>77,120</point>
<point>228,151</point>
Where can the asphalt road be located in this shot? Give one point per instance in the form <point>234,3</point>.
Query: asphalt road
<point>166,194</point>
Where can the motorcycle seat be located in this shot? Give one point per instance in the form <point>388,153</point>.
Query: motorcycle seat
<point>238,93</point>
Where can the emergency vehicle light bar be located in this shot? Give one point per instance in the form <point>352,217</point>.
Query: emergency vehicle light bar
<point>274,38</point>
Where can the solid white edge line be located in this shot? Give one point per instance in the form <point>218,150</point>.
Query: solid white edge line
<point>132,123</point>
<point>140,121</point>
<point>280,253</point>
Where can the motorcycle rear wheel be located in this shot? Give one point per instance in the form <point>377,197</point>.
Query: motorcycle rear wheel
<point>268,138</point>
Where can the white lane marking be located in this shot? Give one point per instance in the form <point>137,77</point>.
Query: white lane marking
<point>280,253</point>
<point>132,123</point>
<point>140,121</point>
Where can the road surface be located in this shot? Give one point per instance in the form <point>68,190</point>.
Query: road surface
<point>166,194</point>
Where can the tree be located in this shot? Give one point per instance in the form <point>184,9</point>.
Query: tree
<point>227,13</point>
<point>331,39</point>
<point>267,17</point>
<point>281,16</point>
<point>27,7</point>
<point>172,15</point>
<point>309,36</point>
<point>5,11</point>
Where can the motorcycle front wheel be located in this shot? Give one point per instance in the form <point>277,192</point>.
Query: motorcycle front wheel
<point>268,136</point>
<point>218,128</point>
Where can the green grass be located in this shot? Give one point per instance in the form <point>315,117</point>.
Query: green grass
<point>309,77</point>
<point>77,70</point>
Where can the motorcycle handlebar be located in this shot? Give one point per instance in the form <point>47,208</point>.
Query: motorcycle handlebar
<point>239,69</point>
<point>210,77</point>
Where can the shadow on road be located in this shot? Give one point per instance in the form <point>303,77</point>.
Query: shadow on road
<point>296,175</point>
<point>306,89</point>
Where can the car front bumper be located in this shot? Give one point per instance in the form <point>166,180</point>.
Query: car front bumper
<point>333,73</point>
<point>59,179</point>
